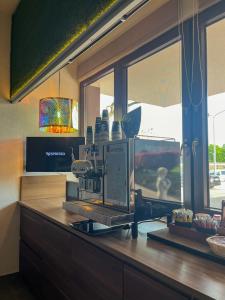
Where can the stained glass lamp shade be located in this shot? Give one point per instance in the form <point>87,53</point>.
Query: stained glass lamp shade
<point>55,115</point>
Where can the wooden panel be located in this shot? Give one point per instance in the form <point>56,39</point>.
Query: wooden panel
<point>31,229</point>
<point>100,274</point>
<point>71,289</point>
<point>30,268</point>
<point>139,286</point>
<point>43,187</point>
<point>178,269</point>
<point>79,270</point>
<point>57,251</point>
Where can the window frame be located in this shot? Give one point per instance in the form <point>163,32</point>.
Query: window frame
<point>195,123</point>
<point>120,92</point>
<point>85,83</point>
<point>200,116</point>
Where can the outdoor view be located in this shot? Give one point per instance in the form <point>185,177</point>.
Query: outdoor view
<point>155,84</point>
<point>98,96</point>
<point>216,112</point>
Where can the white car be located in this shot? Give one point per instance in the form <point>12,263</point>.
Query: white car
<point>220,173</point>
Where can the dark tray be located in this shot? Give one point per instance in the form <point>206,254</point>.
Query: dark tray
<point>184,243</point>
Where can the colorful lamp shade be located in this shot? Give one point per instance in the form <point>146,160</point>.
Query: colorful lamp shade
<point>55,115</point>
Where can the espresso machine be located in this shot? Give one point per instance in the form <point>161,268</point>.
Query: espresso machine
<point>117,177</point>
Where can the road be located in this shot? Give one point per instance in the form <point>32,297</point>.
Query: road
<point>217,194</point>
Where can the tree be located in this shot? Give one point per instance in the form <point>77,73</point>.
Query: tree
<point>220,153</point>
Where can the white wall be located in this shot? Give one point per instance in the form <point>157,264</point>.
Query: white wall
<point>16,122</point>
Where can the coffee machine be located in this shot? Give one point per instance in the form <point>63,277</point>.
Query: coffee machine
<point>117,179</point>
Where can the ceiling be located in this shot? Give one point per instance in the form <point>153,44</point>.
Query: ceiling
<point>8,6</point>
<point>155,80</point>
<point>216,58</point>
<point>146,10</point>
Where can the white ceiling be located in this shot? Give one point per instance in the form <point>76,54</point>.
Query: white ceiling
<point>155,80</point>
<point>216,58</point>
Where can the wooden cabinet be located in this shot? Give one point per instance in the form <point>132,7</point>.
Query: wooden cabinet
<point>100,273</point>
<point>60,265</point>
<point>30,268</point>
<point>139,286</point>
<point>71,267</point>
<point>31,229</point>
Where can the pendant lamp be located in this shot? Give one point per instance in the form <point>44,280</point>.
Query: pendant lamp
<point>55,114</point>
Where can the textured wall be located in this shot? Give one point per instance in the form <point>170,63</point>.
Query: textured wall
<point>41,29</point>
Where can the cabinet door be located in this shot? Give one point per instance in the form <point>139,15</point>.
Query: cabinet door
<point>57,247</point>
<point>33,271</point>
<point>30,268</point>
<point>31,229</point>
<point>141,287</point>
<point>99,274</point>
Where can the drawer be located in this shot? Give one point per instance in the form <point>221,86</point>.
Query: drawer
<point>30,268</point>
<point>100,274</point>
<point>140,286</point>
<point>31,229</point>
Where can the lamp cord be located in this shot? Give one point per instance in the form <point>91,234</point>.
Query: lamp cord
<point>59,83</point>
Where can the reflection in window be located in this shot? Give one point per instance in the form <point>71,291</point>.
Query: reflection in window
<point>155,84</point>
<point>99,95</point>
<point>216,112</point>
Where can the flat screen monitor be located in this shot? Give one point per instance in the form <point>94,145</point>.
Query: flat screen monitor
<point>51,154</point>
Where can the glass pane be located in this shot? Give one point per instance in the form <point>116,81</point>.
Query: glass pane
<point>98,96</point>
<point>216,112</point>
<point>155,84</point>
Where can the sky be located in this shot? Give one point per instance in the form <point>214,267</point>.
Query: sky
<point>216,104</point>
<point>167,121</point>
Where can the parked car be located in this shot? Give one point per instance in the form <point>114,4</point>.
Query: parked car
<point>220,173</point>
<point>214,180</point>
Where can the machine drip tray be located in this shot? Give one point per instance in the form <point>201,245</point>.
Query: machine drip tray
<point>100,214</point>
<point>94,228</point>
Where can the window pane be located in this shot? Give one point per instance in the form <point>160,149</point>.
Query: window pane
<point>216,111</point>
<point>98,96</point>
<point>155,84</point>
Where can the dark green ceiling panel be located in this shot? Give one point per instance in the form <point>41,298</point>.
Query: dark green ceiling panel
<point>42,29</point>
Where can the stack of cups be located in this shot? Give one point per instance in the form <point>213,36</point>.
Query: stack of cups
<point>104,134</point>
<point>89,136</point>
<point>98,124</point>
<point>116,131</point>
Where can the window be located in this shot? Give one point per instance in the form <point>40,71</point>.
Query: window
<point>169,78</point>
<point>99,95</point>
<point>154,84</point>
<point>215,34</point>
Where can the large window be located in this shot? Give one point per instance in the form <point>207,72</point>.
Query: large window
<point>154,84</point>
<point>178,79</point>
<point>215,36</point>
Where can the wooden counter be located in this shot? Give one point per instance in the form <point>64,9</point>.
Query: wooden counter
<point>193,276</point>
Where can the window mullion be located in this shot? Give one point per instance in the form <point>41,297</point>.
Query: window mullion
<point>120,91</point>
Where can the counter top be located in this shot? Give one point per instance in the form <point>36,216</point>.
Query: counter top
<point>202,278</point>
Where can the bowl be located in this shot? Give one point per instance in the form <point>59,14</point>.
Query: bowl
<point>217,245</point>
